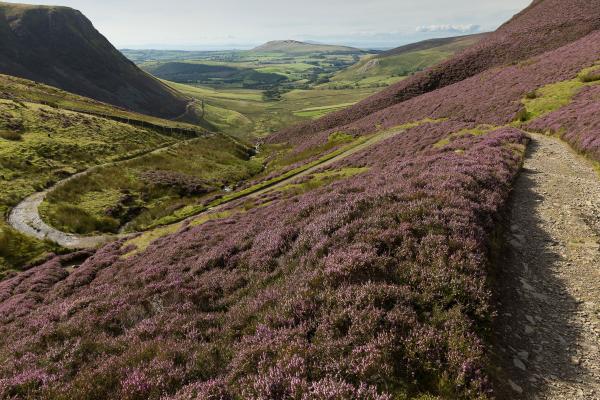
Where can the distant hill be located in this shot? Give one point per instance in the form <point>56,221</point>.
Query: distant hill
<point>544,25</point>
<point>454,44</point>
<point>296,47</point>
<point>59,46</point>
<point>404,60</point>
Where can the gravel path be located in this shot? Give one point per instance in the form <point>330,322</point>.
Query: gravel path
<point>26,219</point>
<point>548,330</point>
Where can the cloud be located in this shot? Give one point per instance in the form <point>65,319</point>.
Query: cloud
<point>471,28</point>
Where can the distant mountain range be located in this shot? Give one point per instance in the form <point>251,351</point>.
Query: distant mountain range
<point>59,46</point>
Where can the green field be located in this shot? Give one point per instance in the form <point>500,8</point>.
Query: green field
<point>264,69</point>
<point>246,114</point>
<point>318,112</point>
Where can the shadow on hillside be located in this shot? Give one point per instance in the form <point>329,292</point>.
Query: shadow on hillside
<point>533,338</point>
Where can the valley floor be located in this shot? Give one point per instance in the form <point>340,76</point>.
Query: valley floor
<point>550,282</point>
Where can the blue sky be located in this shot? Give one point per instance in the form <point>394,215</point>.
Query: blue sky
<point>208,24</point>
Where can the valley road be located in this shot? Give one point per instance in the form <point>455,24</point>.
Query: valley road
<point>26,219</point>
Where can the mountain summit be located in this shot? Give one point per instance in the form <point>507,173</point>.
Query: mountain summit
<point>59,46</point>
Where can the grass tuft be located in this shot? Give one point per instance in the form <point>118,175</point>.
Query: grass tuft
<point>478,131</point>
<point>556,95</point>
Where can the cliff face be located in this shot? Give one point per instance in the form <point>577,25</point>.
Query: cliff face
<point>59,46</point>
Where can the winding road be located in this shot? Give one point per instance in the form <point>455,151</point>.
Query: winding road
<point>26,219</point>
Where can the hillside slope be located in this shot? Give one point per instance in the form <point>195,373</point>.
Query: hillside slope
<point>544,25</point>
<point>405,60</point>
<point>297,47</point>
<point>455,43</point>
<point>59,46</point>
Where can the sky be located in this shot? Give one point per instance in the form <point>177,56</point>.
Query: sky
<point>225,24</point>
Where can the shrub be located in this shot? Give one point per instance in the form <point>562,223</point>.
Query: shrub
<point>10,135</point>
<point>592,76</point>
<point>70,218</point>
<point>15,124</point>
<point>17,249</point>
<point>186,185</point>
<point>531,95</point>
<point>522,115</point>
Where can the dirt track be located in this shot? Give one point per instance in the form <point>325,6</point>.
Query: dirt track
<point>549,284</point>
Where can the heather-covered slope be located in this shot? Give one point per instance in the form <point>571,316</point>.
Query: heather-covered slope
<point>59,46</point>
<point>543,26</point>
<point>363,289</point>
<point>492,97</point>
<point>373,285</point>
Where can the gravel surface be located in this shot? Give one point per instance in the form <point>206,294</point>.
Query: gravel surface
<point>548,330</point>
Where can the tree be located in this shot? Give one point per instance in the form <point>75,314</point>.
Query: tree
<point>272,94</point>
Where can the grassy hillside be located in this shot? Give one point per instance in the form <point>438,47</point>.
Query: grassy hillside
<point>60,46</point>
<point>19,89</point>
<point>47,134</point>
<point>296,47</point>
<point>137,194</point>
<point>394,65</point>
